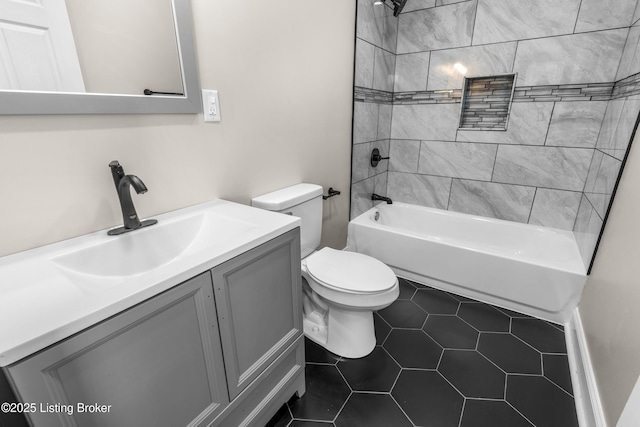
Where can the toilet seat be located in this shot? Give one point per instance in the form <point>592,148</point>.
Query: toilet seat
<point>350,272</point>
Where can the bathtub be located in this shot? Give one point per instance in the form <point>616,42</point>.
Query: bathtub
<point>525,268</point>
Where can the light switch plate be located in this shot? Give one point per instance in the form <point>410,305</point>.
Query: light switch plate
<point>211,105</point>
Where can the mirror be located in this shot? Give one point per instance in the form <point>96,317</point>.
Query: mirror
<point>163,50</point>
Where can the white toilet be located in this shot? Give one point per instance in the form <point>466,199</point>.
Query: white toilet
<point>341,289</point>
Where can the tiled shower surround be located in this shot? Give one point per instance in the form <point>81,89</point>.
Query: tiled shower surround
<point>574,108</point>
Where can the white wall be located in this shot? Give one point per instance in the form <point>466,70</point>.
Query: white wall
<point>631,413</point>
<point>610,304</point>
<point>284,70</point>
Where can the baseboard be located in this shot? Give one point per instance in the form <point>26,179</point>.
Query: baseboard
<point>585,390</point>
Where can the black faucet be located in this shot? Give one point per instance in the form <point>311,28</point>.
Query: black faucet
<point>129,216</point>
<point>375,196</point>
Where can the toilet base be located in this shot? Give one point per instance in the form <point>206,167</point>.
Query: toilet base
<point>348,333</point>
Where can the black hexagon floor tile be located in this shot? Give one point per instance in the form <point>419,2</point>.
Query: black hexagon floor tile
<point>491,413</point>
<point>461,298</point>
<point>302,423</point>
<point>472,374</point>
<point>435,302</point>
<point>315,353</point>
<point>539,334</point>
<point>512,313</point>
<point>473,363</point>
<point>556,369</point>
<point>381,327</point>
<point>418,285</point>
<point>541,401</point>
<point>282,418</point>
<point>451,332</point>
<point>413,349</point>
<point>325,395</point>
<point>510,354</point>
<point>371,410</point>
<point>484,317</point>
<point>555,325</point>
<point>428,399</point>
<point>376,372</point>
<point>403,314</point>
<point>407,289</point>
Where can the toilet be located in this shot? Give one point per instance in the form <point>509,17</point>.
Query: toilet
<point>341,289</point>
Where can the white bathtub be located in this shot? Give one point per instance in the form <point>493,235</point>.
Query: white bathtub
<point>529,269</point>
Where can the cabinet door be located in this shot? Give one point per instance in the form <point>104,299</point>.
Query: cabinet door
<point>156,364</point>
<point>258,300</point>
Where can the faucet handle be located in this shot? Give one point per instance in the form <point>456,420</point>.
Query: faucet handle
<point>116,168</point>
<point>117,172</point>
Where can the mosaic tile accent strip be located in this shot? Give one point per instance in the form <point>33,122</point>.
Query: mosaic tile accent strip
<point>486,102</point>
<point>572,92</point>
<point>569,92</point>
<point>427,97</point>
<point>624,88</point>
<point>627,87</point>
<point>362,94</point>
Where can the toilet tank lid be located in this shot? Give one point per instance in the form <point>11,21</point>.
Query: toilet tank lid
<point>287,197</point>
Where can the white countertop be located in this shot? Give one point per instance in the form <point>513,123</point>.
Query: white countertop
<point>42,302</point>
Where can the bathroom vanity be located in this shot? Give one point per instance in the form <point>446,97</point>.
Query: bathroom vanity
<point>206,334</point>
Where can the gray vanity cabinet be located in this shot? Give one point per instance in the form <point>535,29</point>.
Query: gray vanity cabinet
<point>143,362</point>
<point>224,348</point>
<point>255,294</point>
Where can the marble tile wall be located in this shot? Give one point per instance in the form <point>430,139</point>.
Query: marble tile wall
<point>375,65</point>
<point>478,60</point>
<point>602,14</point>
<point>570,58</point>
<point>575,104</point>
<point>436,28</point>
<point>618,127</point>
<point>611,147</point>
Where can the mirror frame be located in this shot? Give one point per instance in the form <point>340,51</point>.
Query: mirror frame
<point>33,102</point>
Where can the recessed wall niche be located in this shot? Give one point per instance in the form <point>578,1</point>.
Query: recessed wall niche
<point>486,102</point>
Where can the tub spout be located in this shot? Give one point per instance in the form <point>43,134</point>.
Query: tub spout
<point>375,196</point>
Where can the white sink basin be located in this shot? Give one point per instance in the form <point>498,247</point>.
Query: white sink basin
<point>52,292</point>
<point>146,249</point>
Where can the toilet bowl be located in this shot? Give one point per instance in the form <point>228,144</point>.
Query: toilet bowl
<point>341,289</point>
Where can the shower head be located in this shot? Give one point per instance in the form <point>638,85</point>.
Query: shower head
<point>397,5</point>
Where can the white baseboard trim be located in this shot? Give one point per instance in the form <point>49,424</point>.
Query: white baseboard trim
<point>585,390</point>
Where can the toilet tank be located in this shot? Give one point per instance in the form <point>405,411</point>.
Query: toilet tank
<point>303,201</point>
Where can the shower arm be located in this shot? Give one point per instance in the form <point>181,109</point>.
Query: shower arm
<point>397,5</point>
